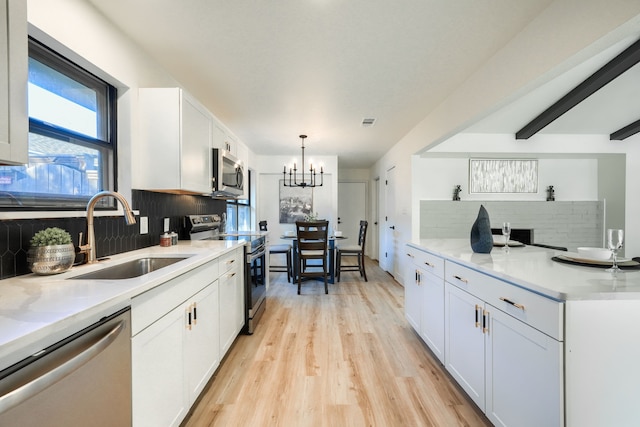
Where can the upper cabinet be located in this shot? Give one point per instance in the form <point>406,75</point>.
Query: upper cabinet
<point>14,123</point>
<point>174,151</point>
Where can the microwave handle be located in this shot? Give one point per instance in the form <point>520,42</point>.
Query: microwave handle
<point>239,177</point>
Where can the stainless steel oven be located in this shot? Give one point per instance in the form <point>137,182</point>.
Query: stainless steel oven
<point>207,227</point>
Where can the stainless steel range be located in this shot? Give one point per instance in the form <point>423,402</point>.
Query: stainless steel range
<point>207,227</point>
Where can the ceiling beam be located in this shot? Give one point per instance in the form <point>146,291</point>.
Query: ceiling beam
<point>614,68</point>
<point>626,131</point>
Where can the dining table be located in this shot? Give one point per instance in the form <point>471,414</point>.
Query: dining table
<point>331,255</point>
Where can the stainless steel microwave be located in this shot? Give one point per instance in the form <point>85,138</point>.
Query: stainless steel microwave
<point>228,175</point>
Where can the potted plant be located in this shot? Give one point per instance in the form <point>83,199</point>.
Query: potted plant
<point>51,251</point>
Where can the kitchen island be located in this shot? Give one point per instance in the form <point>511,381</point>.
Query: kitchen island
<point>530,340</point>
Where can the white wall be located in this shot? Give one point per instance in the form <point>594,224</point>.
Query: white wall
<point>325,198</point>
<point>573,179</point>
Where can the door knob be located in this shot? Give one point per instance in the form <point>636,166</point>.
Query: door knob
<point>393,227</point>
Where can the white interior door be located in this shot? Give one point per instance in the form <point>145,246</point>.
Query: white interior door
<point>352,208</point>
<point>387,254</point>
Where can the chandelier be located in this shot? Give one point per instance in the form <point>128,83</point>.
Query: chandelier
<point>293,173</point>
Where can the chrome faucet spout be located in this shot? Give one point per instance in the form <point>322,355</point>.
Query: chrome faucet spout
<point>90,247</point>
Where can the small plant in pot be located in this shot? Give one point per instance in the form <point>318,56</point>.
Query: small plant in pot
<point>51,251</point>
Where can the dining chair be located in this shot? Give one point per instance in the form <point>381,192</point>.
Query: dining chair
<point>352,251</point>
<point>312,237</point>
<point>280,249</point>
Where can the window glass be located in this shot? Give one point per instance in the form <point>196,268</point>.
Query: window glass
<point>71,137</point>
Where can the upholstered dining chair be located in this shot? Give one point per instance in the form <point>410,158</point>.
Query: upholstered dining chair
<point>312,237</point>
<point>280,249</point>
<point>353,251</point>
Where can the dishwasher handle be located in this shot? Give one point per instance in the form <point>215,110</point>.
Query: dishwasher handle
<point>30,389</point>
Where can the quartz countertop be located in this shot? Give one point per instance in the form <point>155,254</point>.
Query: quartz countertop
<point>532,268</point>
<point>37,311</point>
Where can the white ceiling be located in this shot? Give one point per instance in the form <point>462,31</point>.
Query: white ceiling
<point>273,70</point>
<point>612,107</point>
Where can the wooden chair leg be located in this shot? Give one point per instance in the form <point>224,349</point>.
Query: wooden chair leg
<point>364,273</point>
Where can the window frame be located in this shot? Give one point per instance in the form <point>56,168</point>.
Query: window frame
<point>105,142</point>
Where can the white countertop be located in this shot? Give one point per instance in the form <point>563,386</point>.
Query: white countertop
<point>37,311</point>
<point>531,267</point>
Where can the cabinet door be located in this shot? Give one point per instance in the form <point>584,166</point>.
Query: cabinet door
<point>158,383</point>
<point>464,342</point>
<point>229,282</point>
<point>524,374</point>
<point>14,125</point>
<point>202,343</point>
<point>432,312</point>
<point>412,296</point>
<point>195,163</point>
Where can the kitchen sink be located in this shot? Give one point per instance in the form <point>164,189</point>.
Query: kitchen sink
<point>130,269</point>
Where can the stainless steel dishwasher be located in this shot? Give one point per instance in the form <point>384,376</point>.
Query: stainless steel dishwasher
<point>84,380</point>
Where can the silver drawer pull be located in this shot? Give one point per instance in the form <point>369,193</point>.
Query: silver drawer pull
<point>460,278</point>
<point>429,264</point>
<point>410,256</point>
<point>515,304</point>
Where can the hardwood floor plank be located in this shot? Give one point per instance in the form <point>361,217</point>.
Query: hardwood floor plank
<point>348,358</point>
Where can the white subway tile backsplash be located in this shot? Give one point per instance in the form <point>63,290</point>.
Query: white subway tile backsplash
<point>569,224</point>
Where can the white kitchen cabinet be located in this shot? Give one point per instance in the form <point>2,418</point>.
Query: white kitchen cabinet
<point>424,299</point>
<point>510,369</point>
<point>465,342</point>
<point>159,395</point>
<point>202,340</point>
<point>175,345</point>
<point>232,310</point>
<point>14,122</point>
<point>174,149</point>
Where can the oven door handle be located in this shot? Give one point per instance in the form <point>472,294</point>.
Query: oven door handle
<point>255,255</point>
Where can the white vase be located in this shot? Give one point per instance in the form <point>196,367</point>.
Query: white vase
<point>51,259</point>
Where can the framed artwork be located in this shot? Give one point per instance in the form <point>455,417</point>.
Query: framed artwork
<point>295,203</point>
<point>503,175</point>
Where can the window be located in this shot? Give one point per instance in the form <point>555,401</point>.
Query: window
<point>72,117</point>
<point>239,213</point>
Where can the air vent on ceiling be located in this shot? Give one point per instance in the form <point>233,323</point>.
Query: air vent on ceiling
<point>368,122</point>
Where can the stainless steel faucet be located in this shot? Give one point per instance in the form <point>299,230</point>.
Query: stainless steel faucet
<point>90,247</point>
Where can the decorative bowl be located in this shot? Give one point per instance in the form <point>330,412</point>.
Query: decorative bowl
<point>51,259</point>
<point>602,254</point>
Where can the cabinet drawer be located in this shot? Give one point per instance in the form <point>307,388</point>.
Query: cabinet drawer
<point>155,303</point>
<point>230,260</point>
<point>540,312</point>
<point>426,261</point>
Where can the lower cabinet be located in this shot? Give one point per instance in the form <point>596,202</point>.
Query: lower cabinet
<point>174,358</point>
<point>181,329</point>
<point>231,298</point>
<point>501,343</point>
<point>511,370</point>
<point>424,299</point>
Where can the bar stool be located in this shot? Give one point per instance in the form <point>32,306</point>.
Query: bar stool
<point>280,249</point>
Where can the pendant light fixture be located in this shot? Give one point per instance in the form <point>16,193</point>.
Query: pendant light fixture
<point>293,173</point>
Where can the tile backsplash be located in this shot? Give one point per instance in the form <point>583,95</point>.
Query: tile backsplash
<point>113,236</point>
<point>569,224</point>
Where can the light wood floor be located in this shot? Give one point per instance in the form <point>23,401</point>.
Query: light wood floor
<point>344,359</point>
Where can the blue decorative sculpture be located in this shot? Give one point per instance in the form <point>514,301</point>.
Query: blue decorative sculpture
<point>481,238</point>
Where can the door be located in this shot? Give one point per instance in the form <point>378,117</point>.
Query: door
<point>352,208</point>
<point>464,342</point>
<point>524,374</point>
<point>387,254</point>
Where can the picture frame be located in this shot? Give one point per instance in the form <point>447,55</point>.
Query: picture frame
<point>295,203</point>
<point>503,176</point>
